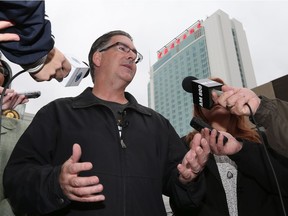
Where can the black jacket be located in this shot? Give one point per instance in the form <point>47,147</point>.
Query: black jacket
<point>32,27</point>
<point>256,188</point>
<point>134,177</point>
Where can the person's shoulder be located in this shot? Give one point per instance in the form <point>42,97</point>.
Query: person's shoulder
<point>63,100</point>
<point>57,104</point>
<point>148,110</point>
<point>154,114</point>
<point>85,95</point>
<point>143,109</point>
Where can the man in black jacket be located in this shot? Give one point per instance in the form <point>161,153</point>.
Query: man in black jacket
<point>124,155</point>
<point>31,44</point>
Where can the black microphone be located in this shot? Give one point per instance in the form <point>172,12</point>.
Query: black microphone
<point>201,90</point>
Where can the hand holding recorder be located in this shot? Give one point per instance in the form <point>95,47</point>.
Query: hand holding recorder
<point>217,144</point>
<point>11,99</point>
<point>198,124</point>
<point>220,143</point>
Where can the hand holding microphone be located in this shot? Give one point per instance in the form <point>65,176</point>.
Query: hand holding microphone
<point>56,66</point>
<point>236,100</point>
<point>206,92</point>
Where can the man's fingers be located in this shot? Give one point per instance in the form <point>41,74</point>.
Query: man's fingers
<point>76,153</point>
<point>85,189</point>
<point>72,165</point>
<point>184,172</point>
<point>75,168</point>
<point>205,146</point>
<point>193,161</point>
<point>84,181</point>
<point>195,141</point>
<point>88,198</point>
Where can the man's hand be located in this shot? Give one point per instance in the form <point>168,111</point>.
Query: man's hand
<point>56,66</point>
<point>195,159</point>
<point>235,100</point>
<point>7,36</point>
<point>81,189</point>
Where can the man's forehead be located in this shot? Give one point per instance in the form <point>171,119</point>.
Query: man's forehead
<point>123,39</point>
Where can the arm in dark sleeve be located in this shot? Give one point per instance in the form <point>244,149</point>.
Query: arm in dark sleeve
<point>33,28</point>
<point>252,161</point>
<point>31,180</point>
<point>272,114</point>
<point>190,195</point>
<point>182,196</point>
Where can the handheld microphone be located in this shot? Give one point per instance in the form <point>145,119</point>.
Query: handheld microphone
<point>32,94</point>
<point>79,70</point>
<point>201,90</point>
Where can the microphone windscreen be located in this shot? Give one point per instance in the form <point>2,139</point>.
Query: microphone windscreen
<point>187,83</point>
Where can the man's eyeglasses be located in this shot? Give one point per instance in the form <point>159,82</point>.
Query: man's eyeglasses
<point>124,48</point>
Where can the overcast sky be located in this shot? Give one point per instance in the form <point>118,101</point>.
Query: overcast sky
<point>152,24</point>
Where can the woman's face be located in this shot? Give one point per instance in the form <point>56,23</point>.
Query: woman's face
<point>216,114</point>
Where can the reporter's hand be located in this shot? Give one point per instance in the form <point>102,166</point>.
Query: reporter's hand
<point>195,159</point>
<point>7,36</point>
<point>235,100</point>
<point>81,189</point>
<point>12,99</point>
<point>56,66</point>
<point>217,146</point>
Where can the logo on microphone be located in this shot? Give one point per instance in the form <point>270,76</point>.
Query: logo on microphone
<point>78,77</point>
<point>200,94</point>
<point>201,90</point>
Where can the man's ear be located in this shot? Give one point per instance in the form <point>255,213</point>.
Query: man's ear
<point>97,56</point>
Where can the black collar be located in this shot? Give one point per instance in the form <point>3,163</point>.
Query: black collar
<point>88,99</point>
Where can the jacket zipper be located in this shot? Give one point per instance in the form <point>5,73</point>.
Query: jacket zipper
<point>123,146</point>
<point>120,129</point>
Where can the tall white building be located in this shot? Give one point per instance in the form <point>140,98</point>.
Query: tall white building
<point>228,50</point>
<point>216,47</point>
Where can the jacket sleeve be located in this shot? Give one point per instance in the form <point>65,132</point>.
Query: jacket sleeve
<point>30,177</point>
<point>272,114</point>
<point>253,161</point>
<point>33,28</point>
<point>182,196</point>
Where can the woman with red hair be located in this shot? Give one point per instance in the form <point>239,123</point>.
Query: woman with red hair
<point>239,177</point>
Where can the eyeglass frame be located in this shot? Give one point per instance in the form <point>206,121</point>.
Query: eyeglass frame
<point>139,56</point>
